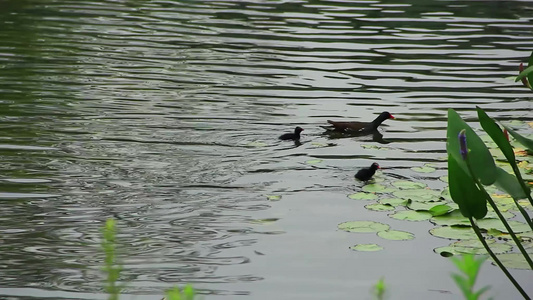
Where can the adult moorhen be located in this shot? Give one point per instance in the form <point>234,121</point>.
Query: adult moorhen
<point>359,127</point>
<point>366,174</point>
<point>292,136</point>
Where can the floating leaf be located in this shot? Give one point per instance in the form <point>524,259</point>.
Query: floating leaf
<point>377,188</point>
<point>444,179</point>
<point>363,196</point>
<point>396,235</point>
<point>363,226</point>
<point>517,226</point>
<point>422,195</point>
<point>393,201</point>
<point>313,161</point>
<point>264,221</point>
<point>273,197</point>
<point>452,232</point>
<point>424,206</point>
<point>439,210</point>
<point>514,261</point>
<point>411,215</point>
<point>474,247</point>
<point>424,169</point>
<point>366,247</point>
<point>455,218</point>
<point>379,207</point>
<point>404,184</point>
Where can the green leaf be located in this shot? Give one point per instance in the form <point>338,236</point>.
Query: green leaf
<point>363,226</point>
<point>480,157</point>
<point>524,73</point>
<point>439,210</point>
<point>366,247</point>
<point>528,143</point>
<point>464,192</point>
<point>509,183</point>
<point>496,134</point>
<point>396,235</point>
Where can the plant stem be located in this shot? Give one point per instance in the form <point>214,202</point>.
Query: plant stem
<point>496,259</point>
<point>502,218</point>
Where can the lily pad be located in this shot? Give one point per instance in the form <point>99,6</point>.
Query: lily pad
<point>453,232</point>
<point>363,196</point>
<point>411,215</point>
<point>444,179</point>
<point>404,184</point>
<point>455,218</point>
<point>377,188</point>
<point>439,210</point>
<point>363,226</point>
<point>517,226</point>
<point>313,161</point>
<point>514,261</point>
<point>421,195</point>
<point>366,247</point>
<point>474,247</point>
<point>424,206</point>
<point>273,197</point>
<point>393,201</point>
<point>379,207</point>
<point>424,169</point>
<point>396,235</point>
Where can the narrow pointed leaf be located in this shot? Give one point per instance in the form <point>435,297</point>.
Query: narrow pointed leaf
<point>479,156</point>
<point>530,64</point>
<point>528,143</point>
<point>497,135</point>
<point>524,73</point>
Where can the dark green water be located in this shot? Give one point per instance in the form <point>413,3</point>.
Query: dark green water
<point>165,115</point>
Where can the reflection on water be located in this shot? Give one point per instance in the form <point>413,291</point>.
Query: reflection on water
<point>165,115</point>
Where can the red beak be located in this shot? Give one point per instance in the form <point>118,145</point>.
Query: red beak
<point>392,117</point>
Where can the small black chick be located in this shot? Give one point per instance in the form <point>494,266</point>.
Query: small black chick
<point>366,174</point>
<point>292,136</point>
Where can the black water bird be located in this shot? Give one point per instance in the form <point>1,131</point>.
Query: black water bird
<point>366,174</point>
<point>358,127</point>
<point>292,136</point>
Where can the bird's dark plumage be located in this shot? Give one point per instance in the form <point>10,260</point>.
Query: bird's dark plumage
<point>292,136</point>
<point>354,127</point>
<point>366,174</point>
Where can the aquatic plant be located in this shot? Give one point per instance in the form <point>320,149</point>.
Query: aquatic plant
<point>110,264</point>
<point>113,269</point>
<point>379,289</point>
<point>471,168</point>
<point>469,266</point>
<point>188,293</point>
<point>526,75</point>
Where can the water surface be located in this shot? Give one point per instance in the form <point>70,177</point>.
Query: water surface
<point>165,115</point>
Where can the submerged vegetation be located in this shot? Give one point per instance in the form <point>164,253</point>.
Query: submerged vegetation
<point>113,269</point>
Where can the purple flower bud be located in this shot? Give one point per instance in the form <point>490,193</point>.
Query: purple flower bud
<point>462,143</point>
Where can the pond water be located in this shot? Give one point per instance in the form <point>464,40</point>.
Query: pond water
<point>165,115</point>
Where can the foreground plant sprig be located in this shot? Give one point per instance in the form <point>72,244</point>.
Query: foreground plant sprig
<point>111,267</point>
<point>469,266</point>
